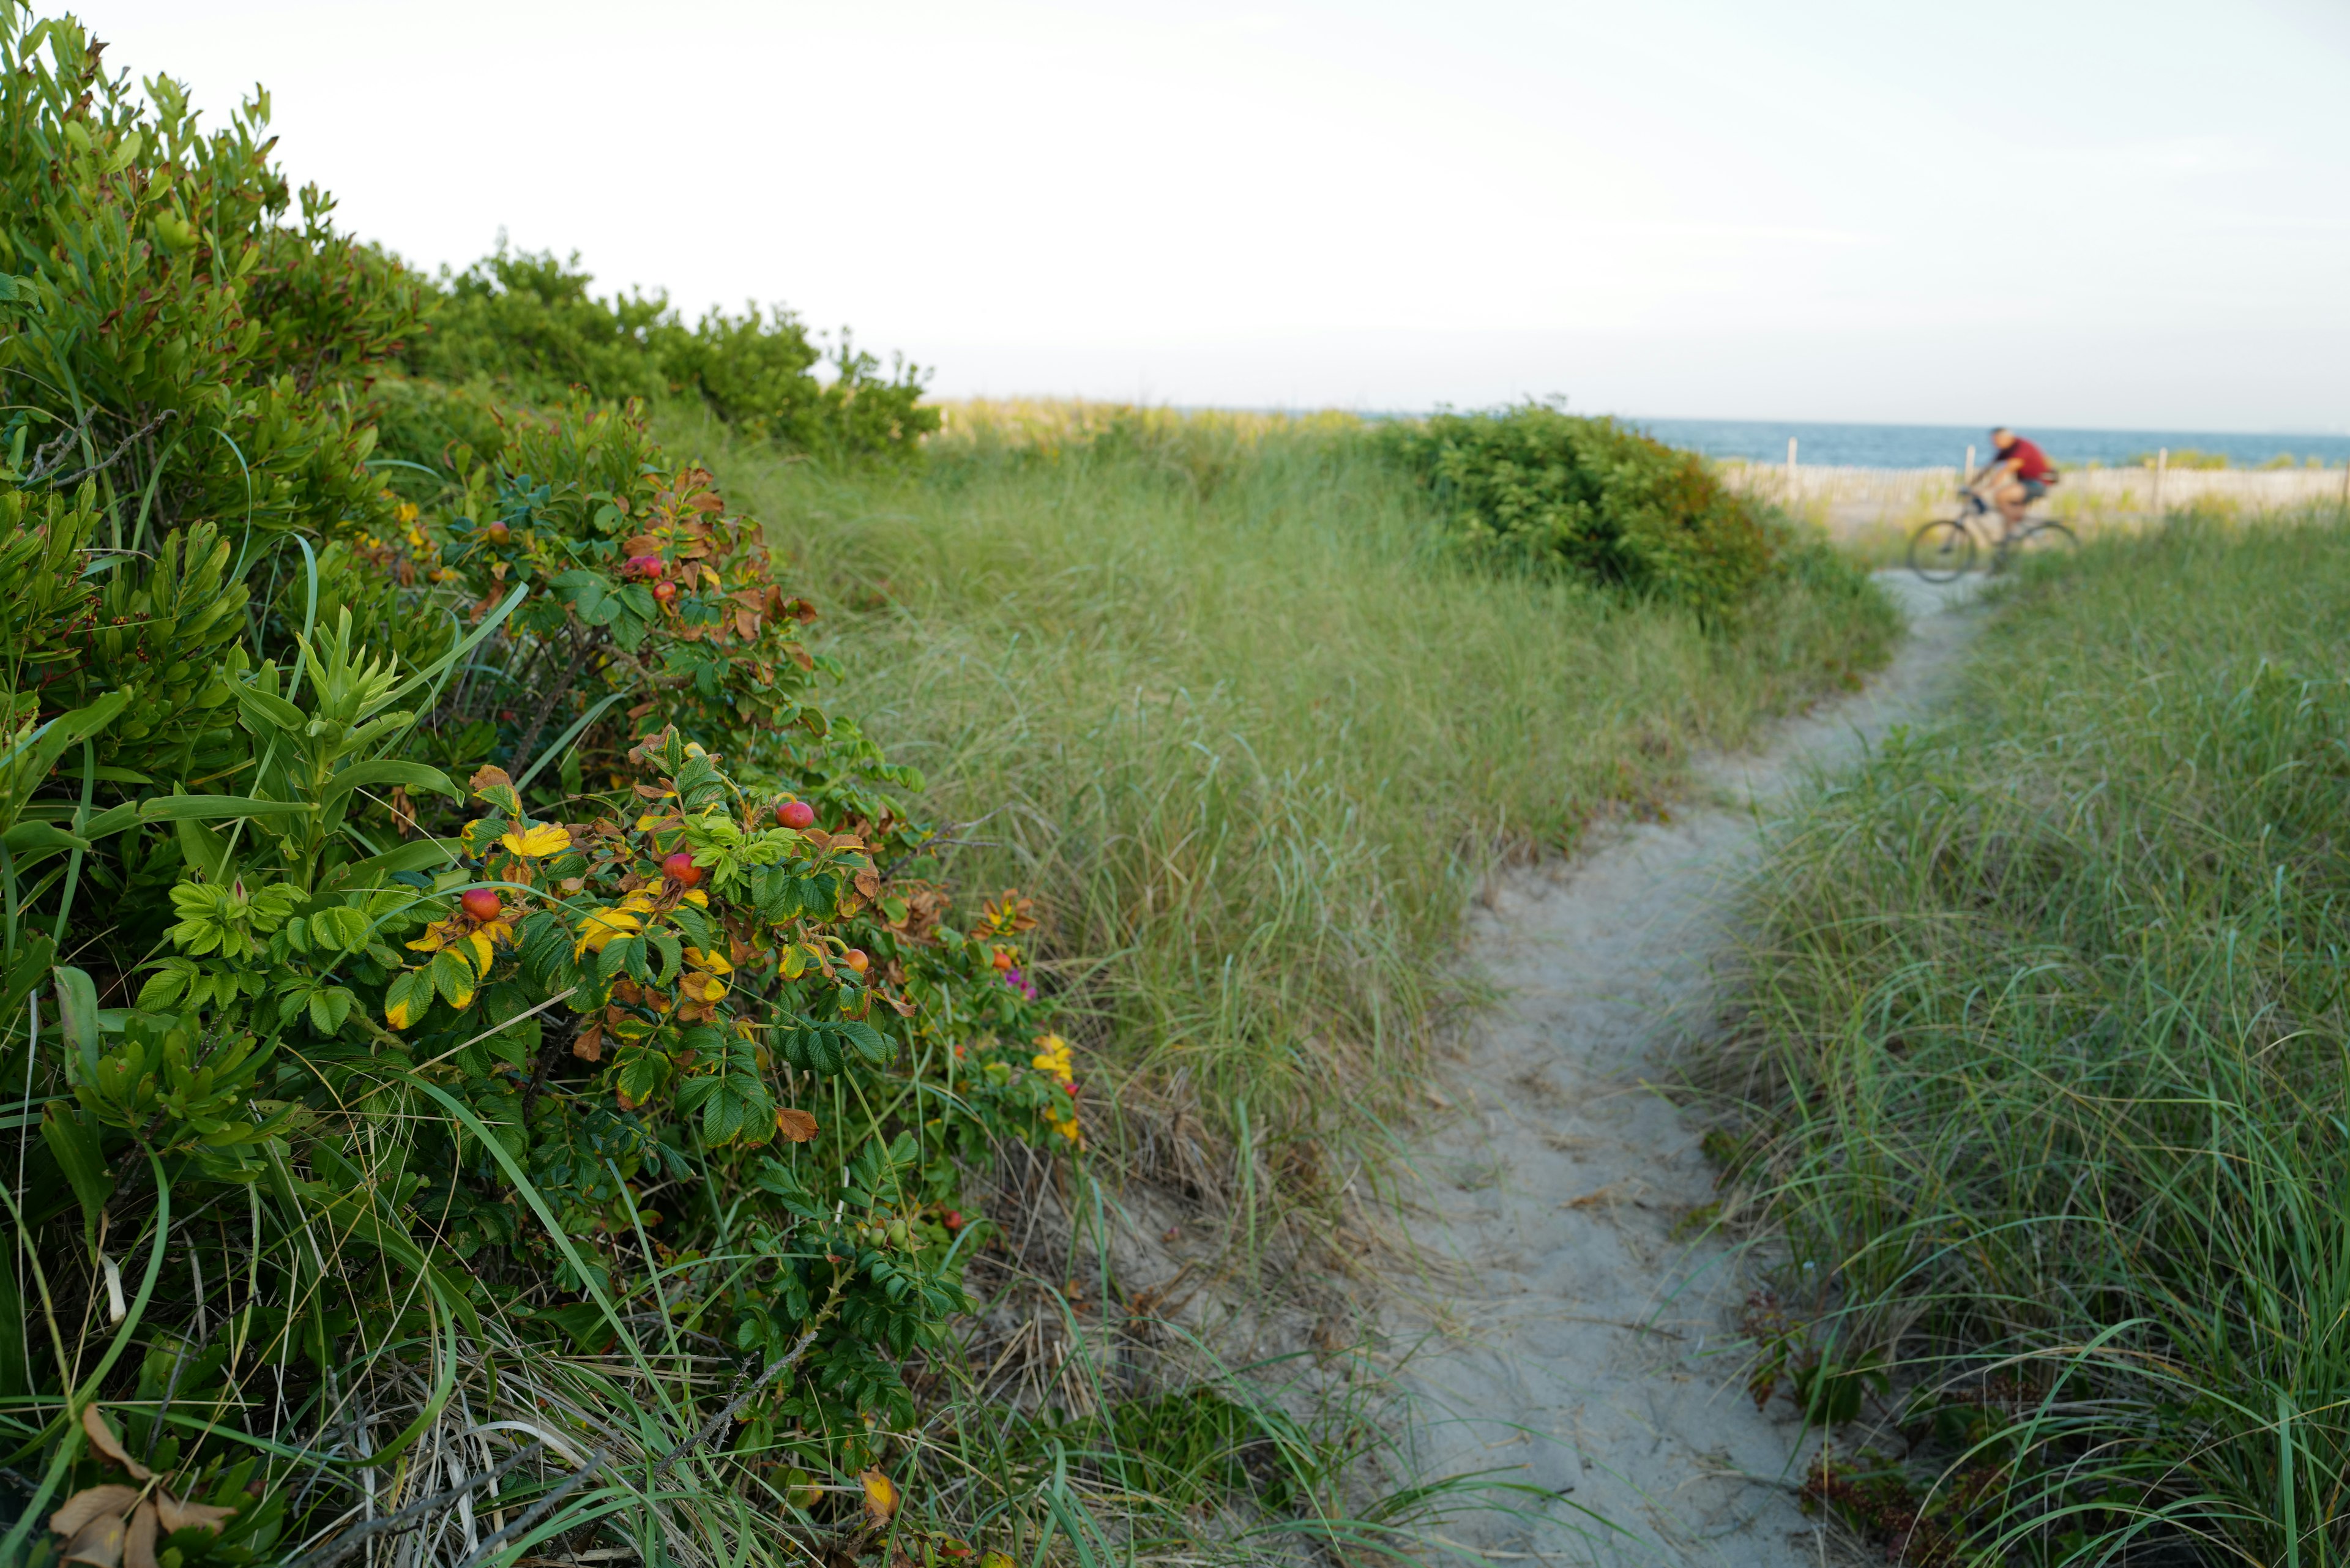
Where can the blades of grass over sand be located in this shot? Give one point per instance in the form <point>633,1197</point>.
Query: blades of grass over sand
<point>2045,1075</point>
<point>1213,686</point>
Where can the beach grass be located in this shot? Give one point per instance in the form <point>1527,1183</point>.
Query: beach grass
<point>1206,686</point>
<point>2044,1077</point>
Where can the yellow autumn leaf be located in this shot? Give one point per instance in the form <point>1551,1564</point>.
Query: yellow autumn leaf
<point>880,1495</point>
<point>715,962</point>
<point>437,935</point>
<point>700,987</point>
<point>538,843</point>
<point>398,1014</point>
<point>596,932</point>
<point>479,941</point>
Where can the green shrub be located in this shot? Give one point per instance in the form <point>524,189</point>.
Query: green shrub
<point>527,324</point>
<point>589,1093</point>
<point>1536,487</point>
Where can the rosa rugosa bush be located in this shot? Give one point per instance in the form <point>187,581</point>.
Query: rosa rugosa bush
<point>383,1137</point>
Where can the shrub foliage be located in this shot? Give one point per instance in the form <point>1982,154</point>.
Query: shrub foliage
<point>1538,487</point>
<point>445,937</point>
<point>527,323</point>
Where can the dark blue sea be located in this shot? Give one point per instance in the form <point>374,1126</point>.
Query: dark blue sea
<point>1927,446</point>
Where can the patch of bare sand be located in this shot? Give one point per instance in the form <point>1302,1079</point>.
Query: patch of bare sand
<point>1574,1341</point>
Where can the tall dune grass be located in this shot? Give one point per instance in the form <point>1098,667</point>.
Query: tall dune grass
<point>2050,1045</point>
<point>1203,684</point>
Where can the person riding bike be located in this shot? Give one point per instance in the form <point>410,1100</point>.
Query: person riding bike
<point>2023,471</point>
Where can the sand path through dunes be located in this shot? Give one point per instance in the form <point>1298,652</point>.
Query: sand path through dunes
<point>1574,1345</point>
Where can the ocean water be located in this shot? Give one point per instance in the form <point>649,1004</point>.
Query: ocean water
<point>1927,446</point>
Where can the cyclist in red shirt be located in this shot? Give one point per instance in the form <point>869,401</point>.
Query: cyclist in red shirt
<point>2023,470</point>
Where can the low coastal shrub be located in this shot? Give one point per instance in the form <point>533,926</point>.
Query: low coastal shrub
<point>1537,488</point>
<point>2045,1065</point>
<point>527,325</point>
<point>489,1052</point>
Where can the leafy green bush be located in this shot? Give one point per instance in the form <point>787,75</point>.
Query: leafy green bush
<point>1537,487</point>
<point>527,323</point>
<point>652,1055</point>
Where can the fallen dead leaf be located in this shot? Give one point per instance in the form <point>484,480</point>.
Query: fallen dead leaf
<point>102,1439</point>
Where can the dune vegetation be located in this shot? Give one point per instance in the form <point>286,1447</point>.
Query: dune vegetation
<point>600,913</point>
<point>2044,1078</point>
<point>1217,691</point>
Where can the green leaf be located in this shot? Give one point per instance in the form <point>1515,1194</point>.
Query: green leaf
<point>415,775</point>
<point>265,710</point>
<point>189,809</point>
<point>341,926</point>
<point>75,1144</point>
<point>870,1042</point>
<point>408,998</point>
<point>452,977</point>
<point>423,855</point>
<point>641,1073</point>
<point>28,837</point>
<point>672,958</point>
<point>77,1007</point>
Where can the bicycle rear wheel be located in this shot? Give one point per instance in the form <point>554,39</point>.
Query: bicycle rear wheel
<point>1942,550</point>
<point>2046,541</point>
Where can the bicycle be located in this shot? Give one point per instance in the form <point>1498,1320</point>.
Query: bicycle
<point>1944,548</point>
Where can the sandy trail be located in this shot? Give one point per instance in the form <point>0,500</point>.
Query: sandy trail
<point>1577,1346</point>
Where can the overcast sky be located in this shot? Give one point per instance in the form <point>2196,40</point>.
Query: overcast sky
<point>2064,211</point>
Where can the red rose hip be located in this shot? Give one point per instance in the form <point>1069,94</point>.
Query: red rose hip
<point>665,593</point>
<point>796,813</point>
<point>855,958</point>
<point>482,904</point>
<point>679,869</point>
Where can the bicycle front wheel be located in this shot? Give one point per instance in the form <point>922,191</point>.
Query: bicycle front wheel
<point>2046,541</point>
<point>1942,551</point>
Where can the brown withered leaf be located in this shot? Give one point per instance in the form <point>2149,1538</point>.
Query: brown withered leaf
<point>588,1044</point>
<point>403,812</point>
<point>177,1515</point>
<point>102,1439</point>
<point>138,1537</point>
<point>795,1126</point>
<point>642,545</point>
<point>489,777</point>
<point>108,1501</point>
<point>98,1544</point>
<point>902,1008</point>
<point>869,882</point>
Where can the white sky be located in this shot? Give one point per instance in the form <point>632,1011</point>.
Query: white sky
<point>2076,212</point>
